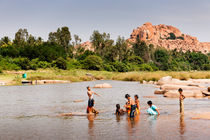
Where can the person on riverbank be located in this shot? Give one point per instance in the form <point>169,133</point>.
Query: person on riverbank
<point>91,102</point>
<point>131,104</point>
<point>137,103</point>
<point>119,111</point>
<point>181,98</point>
<point>152,110</point>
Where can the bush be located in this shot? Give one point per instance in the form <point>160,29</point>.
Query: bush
<point>73,64</point>
<point>135,60</point>
<point>93,62</point>
<point>145,67</point>
<point>206,67</point>
<point>109,67</point>
<point>24,63</point>
<point>121,67</point>
<point>60,63</point>
<point>44,64</point>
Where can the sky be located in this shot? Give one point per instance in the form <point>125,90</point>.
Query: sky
<point>117,17</point>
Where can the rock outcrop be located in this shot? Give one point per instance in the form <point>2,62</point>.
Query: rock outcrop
<point>168,37</point>
<point>104,85</point>
<point>191,88</point>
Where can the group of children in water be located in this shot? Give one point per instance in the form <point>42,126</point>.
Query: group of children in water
<point>133,107</point>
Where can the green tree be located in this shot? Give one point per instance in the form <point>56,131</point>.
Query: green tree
<point>93,62</point>
<point>162,59</point>
<point>101,42</point>
<point>141,49</point>
<point>21,37</point>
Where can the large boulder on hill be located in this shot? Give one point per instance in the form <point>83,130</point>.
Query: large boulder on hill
<point>168,37</point>
<point>186,93</point>
<point>104,85</point>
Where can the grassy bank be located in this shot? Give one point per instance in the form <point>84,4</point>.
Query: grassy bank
<point>15,77</point>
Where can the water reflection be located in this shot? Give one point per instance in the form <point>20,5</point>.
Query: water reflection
<point>182,124</point>
<point>91,125</point>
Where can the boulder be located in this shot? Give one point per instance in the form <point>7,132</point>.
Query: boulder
<point>167,87</point>
<point>77,101</point>
<point>159,92</point>
<point>206,93</point>
<point>200,81</point>
<point>104,85</point>
<point>186,93</point>
<point>50,82</point>
<point>164,80</point>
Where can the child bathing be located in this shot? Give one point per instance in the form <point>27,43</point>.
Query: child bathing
<point>153,109</point>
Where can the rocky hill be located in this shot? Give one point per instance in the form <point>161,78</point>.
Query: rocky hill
<point>168,37</point>
<point>165,36</point>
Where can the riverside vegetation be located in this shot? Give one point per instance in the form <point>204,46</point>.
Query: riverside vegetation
<point>60,51</point>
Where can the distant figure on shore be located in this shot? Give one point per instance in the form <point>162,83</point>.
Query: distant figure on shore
<point>153,109</point>
<point>137,103</point>
<point>119,111</point>
<point>131,104</point>
<point>91,102</point>
<point>181,98</point>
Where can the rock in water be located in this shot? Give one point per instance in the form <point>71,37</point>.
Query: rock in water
<point>164,80</point>
<point>104,85</point>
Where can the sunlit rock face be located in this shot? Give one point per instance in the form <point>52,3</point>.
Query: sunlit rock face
<point>168,37</point>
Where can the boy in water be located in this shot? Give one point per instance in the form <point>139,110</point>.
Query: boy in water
<point>130,103</point>
<point>153,109</point>
<point>90,108</point>
<point>181,98</point>
<point>137,102</point>
<point>119,111</point>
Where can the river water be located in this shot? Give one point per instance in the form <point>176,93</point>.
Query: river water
<point>31,112</point>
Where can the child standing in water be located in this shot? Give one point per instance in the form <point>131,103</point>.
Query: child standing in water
<point>91,102</point>
<point>153,109</point>
<point>137,103</point>
<point>130,103</point>
<point>181,98</point>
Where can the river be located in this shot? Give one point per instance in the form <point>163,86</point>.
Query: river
<point>31,112</point>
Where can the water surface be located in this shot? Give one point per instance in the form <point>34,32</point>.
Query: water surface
<point>30,112</point>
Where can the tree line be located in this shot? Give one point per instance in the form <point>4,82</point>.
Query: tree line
<point>63,51</point>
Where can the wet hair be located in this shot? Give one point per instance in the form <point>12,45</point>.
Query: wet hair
<point>88,87</point>
<point>127,95</point>
<point>136,96</point>
<point>180,89</point>
<point>118,106</point>
<point>117,109</point>
<point>149,102</point>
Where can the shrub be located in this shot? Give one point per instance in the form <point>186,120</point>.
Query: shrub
<point>109,67</point>
<point>24,63</point>
<point>60,63</point>
<point>93,62</point>
<point>145,67</point>
<point>135,60</point>
<point>121,67</point>
<point>73,64</point>
<point>44,64</point>
<point>206,67</point>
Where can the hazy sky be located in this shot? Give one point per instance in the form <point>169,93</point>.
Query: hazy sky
<point>117,17</point>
